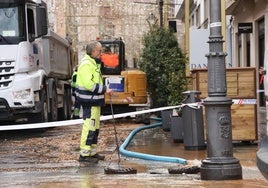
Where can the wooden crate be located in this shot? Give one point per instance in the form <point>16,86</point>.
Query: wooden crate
<point>244,122</point>
<point>241,82</point>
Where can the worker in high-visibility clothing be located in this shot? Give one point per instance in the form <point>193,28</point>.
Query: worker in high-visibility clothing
<point>90,94</point>
<point>109,59</point>
<point>76,104</point>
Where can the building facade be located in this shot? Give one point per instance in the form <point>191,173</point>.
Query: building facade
<point>244,28</point>
<point>85,20</point>
<point>248,27</point>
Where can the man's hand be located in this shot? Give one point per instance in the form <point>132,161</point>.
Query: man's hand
<point>262,71</point>
<point>109,91</point>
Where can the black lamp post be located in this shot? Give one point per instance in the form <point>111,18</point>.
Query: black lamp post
<point>220,163</point>
<point>161,3</point>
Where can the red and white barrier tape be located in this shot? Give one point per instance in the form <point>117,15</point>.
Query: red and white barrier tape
<point>195,105</point>
<point>245,101</point>
<point>80,121</point>
<point>235,101</point>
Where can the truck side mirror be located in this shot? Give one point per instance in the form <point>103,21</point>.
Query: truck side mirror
<point>41,17</point>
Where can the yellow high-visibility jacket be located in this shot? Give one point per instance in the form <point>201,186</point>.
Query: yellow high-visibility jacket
<point>90,89</point>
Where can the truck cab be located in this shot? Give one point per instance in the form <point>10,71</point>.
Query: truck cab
<point>29,68</point>
<point>14,28</point>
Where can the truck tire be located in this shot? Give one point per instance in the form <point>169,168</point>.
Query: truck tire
<point>41,116</point>
<point>53,104</point>
<point>66,110</point>
<point>44,112</point>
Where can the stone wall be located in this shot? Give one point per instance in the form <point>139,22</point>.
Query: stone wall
<point>85,20</point>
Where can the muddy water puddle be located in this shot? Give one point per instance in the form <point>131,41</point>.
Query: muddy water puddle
<point>89,178</point>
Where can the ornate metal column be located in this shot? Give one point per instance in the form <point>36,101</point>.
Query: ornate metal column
<point>220,163</point>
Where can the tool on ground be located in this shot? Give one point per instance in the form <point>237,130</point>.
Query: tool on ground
<point>119,170</point>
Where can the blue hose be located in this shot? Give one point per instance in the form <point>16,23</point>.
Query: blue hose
<point>123,151</point>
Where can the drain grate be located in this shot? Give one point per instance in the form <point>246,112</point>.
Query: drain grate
<point>184,170</point>
<point>120,171</point>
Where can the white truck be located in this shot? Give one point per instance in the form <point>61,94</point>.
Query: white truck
<point>35,65</point>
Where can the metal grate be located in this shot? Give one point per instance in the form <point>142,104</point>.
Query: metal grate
<point>7,71</point>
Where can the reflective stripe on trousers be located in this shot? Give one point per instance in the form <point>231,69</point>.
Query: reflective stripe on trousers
<point>90,131</point>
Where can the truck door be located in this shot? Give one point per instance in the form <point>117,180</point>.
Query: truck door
<point>36,22</point>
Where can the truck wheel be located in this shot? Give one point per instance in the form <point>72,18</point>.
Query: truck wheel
<point>65,111</point>
<point>53,105</point>
<point>44,112</point>
<point>41,116</point>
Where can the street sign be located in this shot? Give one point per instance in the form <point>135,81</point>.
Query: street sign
<point>245,27</point>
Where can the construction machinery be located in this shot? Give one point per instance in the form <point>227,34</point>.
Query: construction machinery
<point>129,84</point>
<point>35,65</point>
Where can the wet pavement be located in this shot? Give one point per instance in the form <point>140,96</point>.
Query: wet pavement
<point>26,169</point>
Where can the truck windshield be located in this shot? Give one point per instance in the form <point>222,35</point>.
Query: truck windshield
<point>12,23</point>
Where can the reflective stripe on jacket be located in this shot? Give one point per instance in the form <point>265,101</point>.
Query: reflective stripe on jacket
<point>90,89</point>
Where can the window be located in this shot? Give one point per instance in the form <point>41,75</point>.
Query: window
<point>248,49</point>
<point>239,42</point>
<point>30,18</point>
<point>12,22</point>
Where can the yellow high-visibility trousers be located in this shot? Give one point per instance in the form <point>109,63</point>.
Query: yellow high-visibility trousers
<point>90,131</point>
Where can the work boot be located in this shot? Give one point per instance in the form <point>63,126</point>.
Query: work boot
<point>98,156</point>
<point>88,159</point>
